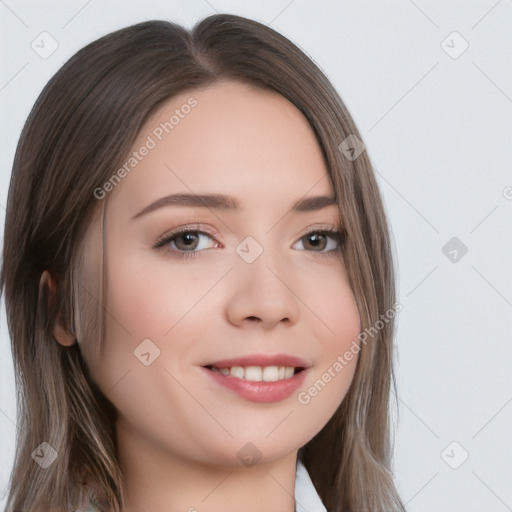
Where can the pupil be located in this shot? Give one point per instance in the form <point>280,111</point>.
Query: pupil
<point>316,240</point>
<point>188,239</point>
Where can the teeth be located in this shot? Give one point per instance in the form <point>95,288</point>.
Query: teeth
<point>270,373</point>
<point>253,373</point>
<point>237,371</point>
<point>258,373</point>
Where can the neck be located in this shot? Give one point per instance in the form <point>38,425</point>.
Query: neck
<point>159,480</point>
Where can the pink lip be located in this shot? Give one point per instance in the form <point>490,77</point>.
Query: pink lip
<point>261,360</point>
<point>260,391</point>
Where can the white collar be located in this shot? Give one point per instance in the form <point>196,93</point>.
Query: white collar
<point>306,497</point>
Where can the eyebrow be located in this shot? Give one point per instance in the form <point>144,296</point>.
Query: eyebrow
<point>223,202</point>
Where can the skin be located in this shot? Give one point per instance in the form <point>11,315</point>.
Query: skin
<point>178,431</point>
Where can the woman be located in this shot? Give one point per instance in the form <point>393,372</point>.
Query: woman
<point>198,282</point>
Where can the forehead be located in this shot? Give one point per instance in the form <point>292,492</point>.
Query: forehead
<point>228,138</point>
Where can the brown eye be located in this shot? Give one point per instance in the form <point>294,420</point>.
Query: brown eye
<point>184,242</point>
<point>322,241</point>
<point>190,240</point>
<point>316,241</point>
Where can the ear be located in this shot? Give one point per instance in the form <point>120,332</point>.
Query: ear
<point>59,331</point>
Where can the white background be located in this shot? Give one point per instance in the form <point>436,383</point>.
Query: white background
<point>439,132</point>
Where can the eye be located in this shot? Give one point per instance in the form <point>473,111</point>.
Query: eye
<point>322,241</point>
<point>189,241</point>
<point>185,241</point>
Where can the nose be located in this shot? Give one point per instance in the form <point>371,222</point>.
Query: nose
<point>263,293</point>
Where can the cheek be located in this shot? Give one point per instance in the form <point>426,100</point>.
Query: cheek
<point>149,296</point>
<point>333,309</point>
<point>336,321</point>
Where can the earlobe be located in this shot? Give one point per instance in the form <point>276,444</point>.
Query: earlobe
<point>61,334</point>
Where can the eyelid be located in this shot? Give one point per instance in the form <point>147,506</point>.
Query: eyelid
<point>320,227</point>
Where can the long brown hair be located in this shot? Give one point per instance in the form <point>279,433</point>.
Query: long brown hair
<point>78,133</point>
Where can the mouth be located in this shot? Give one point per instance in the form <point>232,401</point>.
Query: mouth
<point>271,373</point>
<point>260,367</point>
<point>259,379</point>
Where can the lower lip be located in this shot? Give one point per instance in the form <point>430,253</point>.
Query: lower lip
<point>260,391</point>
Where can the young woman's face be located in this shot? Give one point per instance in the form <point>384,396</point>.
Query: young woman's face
<point>238,283</point>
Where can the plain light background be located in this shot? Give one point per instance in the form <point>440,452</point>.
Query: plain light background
<point>436,118</point>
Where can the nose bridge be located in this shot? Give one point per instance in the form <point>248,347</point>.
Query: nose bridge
<point>262,288</point>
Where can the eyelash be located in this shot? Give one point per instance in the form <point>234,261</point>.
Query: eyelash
<point>160,244</point>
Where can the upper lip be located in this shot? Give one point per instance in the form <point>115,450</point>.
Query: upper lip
<point>261,360</point>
